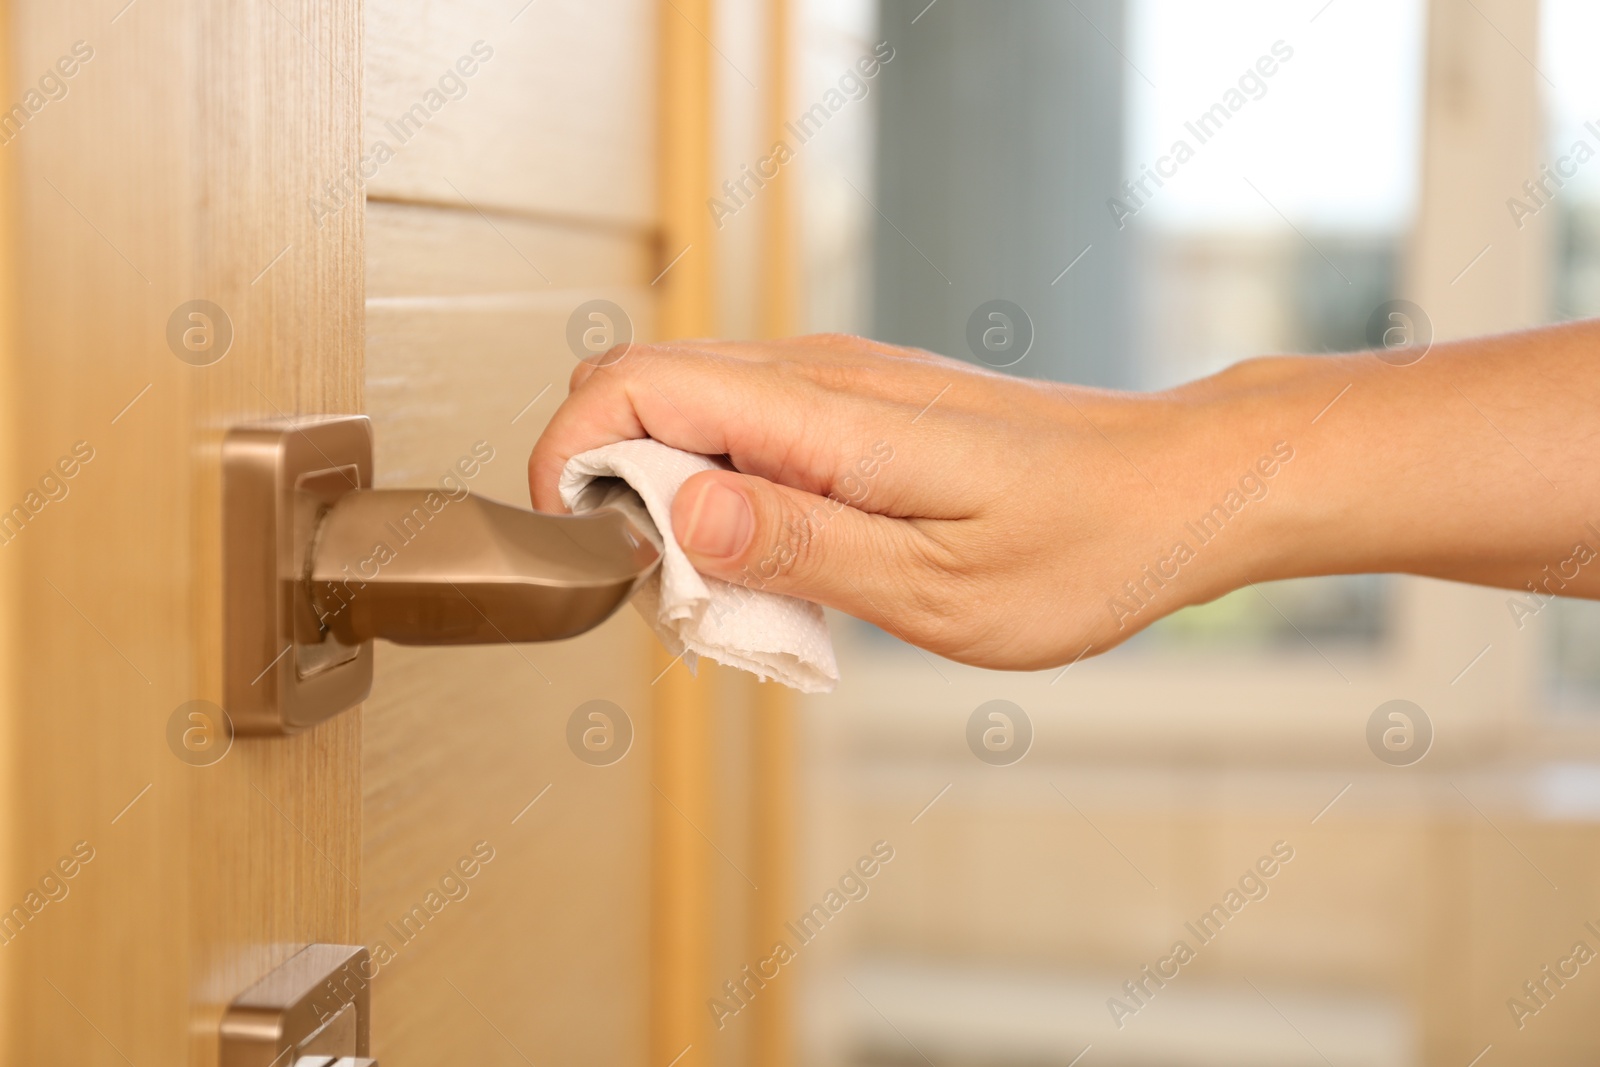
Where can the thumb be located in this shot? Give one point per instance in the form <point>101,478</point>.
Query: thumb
<point>766,536</point>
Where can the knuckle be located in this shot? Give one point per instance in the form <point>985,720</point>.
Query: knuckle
<point>620,360</point>
<point>806,375</point>
<point>831,339</point>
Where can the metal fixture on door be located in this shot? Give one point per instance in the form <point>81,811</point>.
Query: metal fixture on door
<point>313,1011</point>
<point>317,564</point>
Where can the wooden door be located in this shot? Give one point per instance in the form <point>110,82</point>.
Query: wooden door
<point>527,191</point>
<point>393,209</point>
<point>571,165</point>
<point>156,153</point>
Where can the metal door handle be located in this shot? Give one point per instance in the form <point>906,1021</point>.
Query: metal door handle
<point>416,567</point>
<point>317,563</point>
<point>313,1010</point>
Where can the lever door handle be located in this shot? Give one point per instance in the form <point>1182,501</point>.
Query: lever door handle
<point>417,567</point>
<point>317,563</point>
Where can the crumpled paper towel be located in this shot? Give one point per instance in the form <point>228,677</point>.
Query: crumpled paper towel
<point>768,634</point>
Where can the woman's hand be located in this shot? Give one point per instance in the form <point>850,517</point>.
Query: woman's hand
<point>1023,524</point>
<point>994,520</point>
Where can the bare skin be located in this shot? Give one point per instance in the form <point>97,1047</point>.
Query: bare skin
<point>1022,524</point>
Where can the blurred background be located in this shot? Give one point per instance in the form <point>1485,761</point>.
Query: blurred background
<point>1375,163</point>
<point>1352,821</point>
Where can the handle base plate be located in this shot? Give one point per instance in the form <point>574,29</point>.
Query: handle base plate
<point>280,674</point>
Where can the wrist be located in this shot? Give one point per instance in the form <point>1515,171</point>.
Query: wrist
<point>1261,498</point>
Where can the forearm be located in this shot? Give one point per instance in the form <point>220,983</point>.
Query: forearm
<point>1478,463</point>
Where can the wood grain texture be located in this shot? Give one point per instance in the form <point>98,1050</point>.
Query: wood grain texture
<point>465,335</point>
<point>684,904</point>
<point>545,949</point>
<point>164,175</point>
<point>774,833</point>
<point>773,752</point>
<point>10,609</point>
<point>422,252</point>
<point>556,121</point>
<point>685,110</point>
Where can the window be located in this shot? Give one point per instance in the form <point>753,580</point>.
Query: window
<point>1571,83</point>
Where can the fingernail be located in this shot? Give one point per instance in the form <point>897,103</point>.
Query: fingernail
<point>720,524</point>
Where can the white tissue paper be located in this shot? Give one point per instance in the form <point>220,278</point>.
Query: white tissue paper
<point>768,634</point>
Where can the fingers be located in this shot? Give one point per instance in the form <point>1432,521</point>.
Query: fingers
<point>785,420</point>
<point>689,400</point>
<point>773,538</point>
<point>825,415</point>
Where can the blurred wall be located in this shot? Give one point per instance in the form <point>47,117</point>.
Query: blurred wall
<point>1000,137</point>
